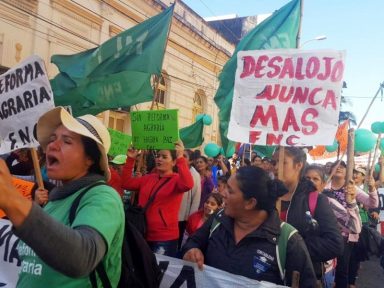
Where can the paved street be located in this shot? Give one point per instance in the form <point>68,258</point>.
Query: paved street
<point>371,274</point>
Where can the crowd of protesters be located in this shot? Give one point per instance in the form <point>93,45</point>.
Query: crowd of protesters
<point>242,197</point>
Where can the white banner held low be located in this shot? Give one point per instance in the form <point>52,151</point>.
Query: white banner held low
<point>287,97</point>
<point>179,273</point>
<point>381,203</point>
<point>10,263</point>
<point>25,94</point>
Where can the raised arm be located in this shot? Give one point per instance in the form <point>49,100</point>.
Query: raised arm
<point>185,180</point>
<point>127,180</point>
<point>370,200</point>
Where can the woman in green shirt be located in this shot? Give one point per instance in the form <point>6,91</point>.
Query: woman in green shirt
<point>55,253</point>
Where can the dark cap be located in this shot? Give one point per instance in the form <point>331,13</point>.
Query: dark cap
<point>342,163</point>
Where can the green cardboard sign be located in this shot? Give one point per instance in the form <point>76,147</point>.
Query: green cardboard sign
<point>119,142</point>
<point>155,129</point>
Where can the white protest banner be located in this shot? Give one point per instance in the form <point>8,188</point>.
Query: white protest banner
<point>10,263</point>
<point>25,94</point>
<point>180,273</point>
<point>381,203</point>
<point>287,97</point>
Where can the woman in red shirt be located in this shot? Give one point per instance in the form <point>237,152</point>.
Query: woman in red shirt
<point>162,214</point>
<point>213,203</point>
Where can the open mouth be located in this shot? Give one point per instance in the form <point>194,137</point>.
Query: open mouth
<point>52,160</point>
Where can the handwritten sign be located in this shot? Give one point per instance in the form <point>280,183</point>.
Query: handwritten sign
<point>287,97</point>
<point>155,129</point>
<point>119,142</point>
<point>24,187</point>
<point>25,94</point>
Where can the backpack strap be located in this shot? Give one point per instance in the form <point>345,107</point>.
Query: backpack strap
<point>286,232</point>
<point>100,267</point>
<point>150,200</point>
<point>312,202</point>
<point>76,202</point>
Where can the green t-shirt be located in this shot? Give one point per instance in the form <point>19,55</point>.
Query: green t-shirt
<point>100,208</point>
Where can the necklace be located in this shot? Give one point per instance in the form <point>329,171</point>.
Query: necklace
<point>338,187</point>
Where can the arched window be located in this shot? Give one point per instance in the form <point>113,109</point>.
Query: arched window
<point>159,83</point>
<point>198,103</point>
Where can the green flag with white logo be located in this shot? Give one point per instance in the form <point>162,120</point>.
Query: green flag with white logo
<point>115,74</point>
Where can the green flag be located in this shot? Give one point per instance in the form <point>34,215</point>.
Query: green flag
<point>280,30</point>
<point>192,136</point>
<point>115,74</point>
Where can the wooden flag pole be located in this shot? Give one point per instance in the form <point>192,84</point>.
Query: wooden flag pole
<point>36,167</point>
<point>280,174</point>
<point>368,169</point>
<point>371,167</point>
<point>350,154</point>
<point>381,172</point>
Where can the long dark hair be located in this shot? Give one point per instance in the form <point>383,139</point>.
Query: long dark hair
<point>298,156</point>
<point>254,182</point>
<point>92,151</point>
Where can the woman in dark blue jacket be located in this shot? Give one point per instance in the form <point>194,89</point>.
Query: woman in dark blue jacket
<point>243,239</point>
<point>319,227</point>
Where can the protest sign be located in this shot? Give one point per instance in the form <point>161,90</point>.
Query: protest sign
<point>24,187</point>
<point>119,142</point>
<point>155,129</point>
<point>287,97</point>
<point>25,94</point>
<point>180,273</point>
<point>10,263</point>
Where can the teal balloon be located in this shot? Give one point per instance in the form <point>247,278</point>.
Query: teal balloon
<point>211,150</point>
<point>207,120</point>
<point>381,147</point>
<point>376,127</point>
<point>333,147</point>
<point>199,117</point>
<point>377,168</point>
<point>365,140</point>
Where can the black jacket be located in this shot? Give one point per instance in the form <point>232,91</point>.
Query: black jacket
<point>325,242</point>
<point>254,253</point>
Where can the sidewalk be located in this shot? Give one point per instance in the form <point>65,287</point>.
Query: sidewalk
<point>371,274</point>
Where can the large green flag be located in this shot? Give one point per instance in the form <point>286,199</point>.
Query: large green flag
<point>280,30</point>
<point>192,136</point>
<point>115,74</point>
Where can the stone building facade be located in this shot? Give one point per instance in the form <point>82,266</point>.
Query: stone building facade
<point>194,56</point>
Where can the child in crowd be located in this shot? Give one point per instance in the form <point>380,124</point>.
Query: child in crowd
<point>213,203</point>
<point>222,184</point>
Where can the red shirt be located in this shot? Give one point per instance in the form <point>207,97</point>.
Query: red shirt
<point>162,214</point>
<point>195,221</point>
<point>115,181</point>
